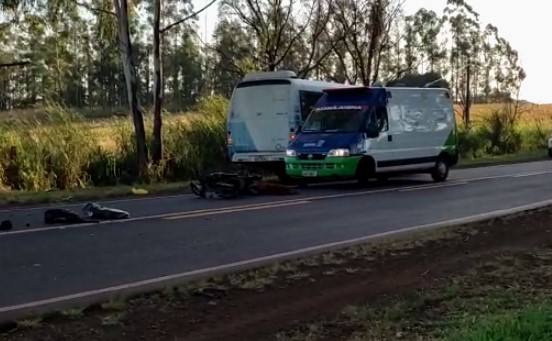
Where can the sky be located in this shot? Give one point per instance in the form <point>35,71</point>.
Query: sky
<point>526,25</point>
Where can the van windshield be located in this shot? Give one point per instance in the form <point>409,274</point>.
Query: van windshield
<point>335,120</point>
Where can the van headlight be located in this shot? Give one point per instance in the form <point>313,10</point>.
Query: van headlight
<point>339,152</point>
<point>291,152</point>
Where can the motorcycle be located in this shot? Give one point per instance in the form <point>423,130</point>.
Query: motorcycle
<point>222,185</point>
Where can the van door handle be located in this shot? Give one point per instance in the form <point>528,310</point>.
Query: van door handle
<point>389,138</point>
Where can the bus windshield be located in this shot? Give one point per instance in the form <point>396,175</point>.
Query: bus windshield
<point>335,120</point>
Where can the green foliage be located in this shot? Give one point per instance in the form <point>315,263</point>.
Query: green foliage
<point>532,323</point>
<point>502,132</point>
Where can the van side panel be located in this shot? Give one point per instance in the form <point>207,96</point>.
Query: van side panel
<point>422,125</point>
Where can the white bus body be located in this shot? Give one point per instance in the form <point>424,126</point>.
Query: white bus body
<point>265,111</point>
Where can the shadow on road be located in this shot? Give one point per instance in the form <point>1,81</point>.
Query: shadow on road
<point>352,185</point>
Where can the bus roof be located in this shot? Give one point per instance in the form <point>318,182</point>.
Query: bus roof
<point>302,84</point>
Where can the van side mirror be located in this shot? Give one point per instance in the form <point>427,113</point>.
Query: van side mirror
<point>371,131</point>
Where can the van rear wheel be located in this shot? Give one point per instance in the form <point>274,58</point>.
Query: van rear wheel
<point>440,171</point>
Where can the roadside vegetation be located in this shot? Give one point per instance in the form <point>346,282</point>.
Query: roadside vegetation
<point>63,152</point>
<point>479,282</point>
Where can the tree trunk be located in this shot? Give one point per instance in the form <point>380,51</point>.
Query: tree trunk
<point>129,67</point>
<point>467,105</point>
<point>157,85</point>
<point>376,20</point>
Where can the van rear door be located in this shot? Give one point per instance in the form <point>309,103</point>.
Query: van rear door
<point>259,120</point>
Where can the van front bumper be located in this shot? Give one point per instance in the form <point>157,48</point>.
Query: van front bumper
<point>330,167</point>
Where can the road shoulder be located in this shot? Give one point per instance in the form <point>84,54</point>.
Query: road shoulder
<point>287,298</point>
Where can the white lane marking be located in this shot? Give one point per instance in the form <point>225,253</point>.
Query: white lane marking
<point>254,208</point>
<point>160,282</point>
<point>508,176</point>
<point>419,188</point>
<point>531,174</point>
<point>80,203</point>
<point>312,198</point>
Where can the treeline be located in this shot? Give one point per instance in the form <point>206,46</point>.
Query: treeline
<point>70,49</point>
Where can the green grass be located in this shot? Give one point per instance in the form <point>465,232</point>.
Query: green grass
<point>523,156</point>
<point>508,297</point>
<point>532,323</point>
<point>60,155</point>
<point>93,193</point>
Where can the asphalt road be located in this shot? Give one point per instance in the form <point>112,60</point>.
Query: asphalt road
<point>182,233</point>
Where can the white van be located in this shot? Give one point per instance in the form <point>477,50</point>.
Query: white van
<point>365,132</point>
<point>265,111</point>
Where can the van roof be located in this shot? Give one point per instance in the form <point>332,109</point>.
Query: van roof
<point>356,88</point>
<point>358,95</point>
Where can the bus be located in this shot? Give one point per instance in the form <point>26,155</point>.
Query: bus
<point>266,109</point>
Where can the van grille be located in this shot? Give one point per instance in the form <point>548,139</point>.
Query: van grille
<point>315,166</point>
<point>305,156</point>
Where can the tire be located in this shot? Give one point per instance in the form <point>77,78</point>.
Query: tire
<point>382,178</point>
<point>365,171</point>
<point>282,176</point>
<point>440,171</point>
<point>301,183</point>
<point>549,152</point>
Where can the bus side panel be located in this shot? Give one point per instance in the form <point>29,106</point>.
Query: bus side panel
<point>259,119</point>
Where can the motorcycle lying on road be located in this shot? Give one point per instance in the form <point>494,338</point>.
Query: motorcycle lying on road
<point>222,185</point>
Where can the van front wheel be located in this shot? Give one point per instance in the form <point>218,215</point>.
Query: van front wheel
<point>440,172</point>
<point>365,171</point>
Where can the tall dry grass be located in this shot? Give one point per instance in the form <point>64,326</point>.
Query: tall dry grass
<point>62,149</point>
<point>499,129</point>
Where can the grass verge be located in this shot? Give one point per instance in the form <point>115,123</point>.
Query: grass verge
<point>503,298</point>
<point>476,282</point>
<point>521,157</point>
<point>21,198</point>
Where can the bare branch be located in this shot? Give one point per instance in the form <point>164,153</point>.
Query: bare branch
<point>176,23</point>
<point>283,25</point>
<point>320,27</point>
<point>229,59</point>
<point>14,20</point>
<point>258,27</point>
<point>295,37</point>
<point>92,8</point>
<point>345,31</point>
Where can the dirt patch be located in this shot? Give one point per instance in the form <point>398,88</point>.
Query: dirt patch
<point>259,304</point>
